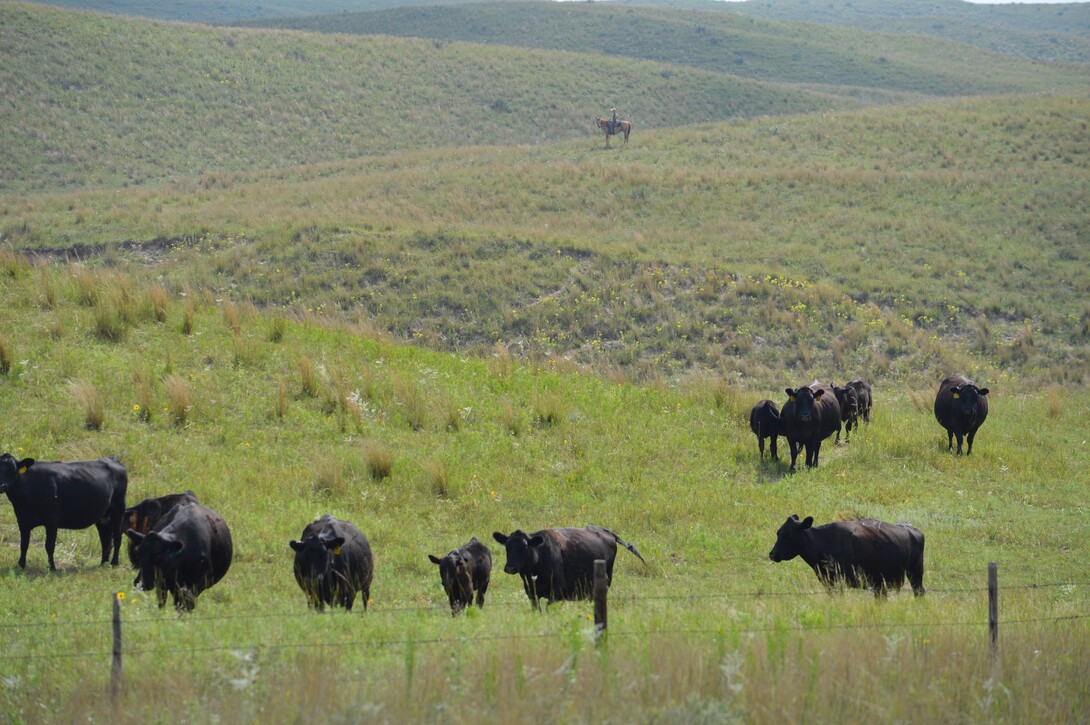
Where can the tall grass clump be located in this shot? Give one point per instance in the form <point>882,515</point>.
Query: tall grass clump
<point>5,356</point>
<point>47,288</point>
<point>179,403</point>
<point>329,477</point>
<point>378,459</point>
<point>277,327</point>
<point>500,364</point>
<point>308,377</point>
<point>87,395</point>
<point>111,322</point>
<point>232,317</point>
<point>548,410</point>
<point>142,382</point>
<point>188,314</point>
<point>282,399</point>
<point>87,286</point>
<point>412,402</point>
<point>437,475</point>
<point>160,302</point>
<point>512,420</point>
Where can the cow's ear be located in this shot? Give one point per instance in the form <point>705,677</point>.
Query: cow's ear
<point>334,542</point>
<point>818,393</point>
<point>983,391</point>
<point>297,545</point>
<point>795,517</point>
<point>956,391</point>
<point>502,538</point>
<point>434,559</point>
<point>473,540</point>
<point>174,546</point>
<point>807,522</point>
<point>24,464</point>
<point>135,535</point>
<point>537,540</point>
<point>790,393</point>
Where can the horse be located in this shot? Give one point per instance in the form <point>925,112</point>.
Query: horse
<point>624,127</point>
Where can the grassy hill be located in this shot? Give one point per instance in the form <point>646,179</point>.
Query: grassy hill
<point>723,42</point>
<point>103,101</point>
<point>273,421</point>
<point>227,11</point>
<point>880,242</point>
<point>1057,32</point>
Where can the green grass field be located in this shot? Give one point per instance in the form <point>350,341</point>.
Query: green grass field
<point>437,338</point>
<point>273,433</point>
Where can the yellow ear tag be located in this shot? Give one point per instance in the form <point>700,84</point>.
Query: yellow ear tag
<point>791,397</point>
<point>336,551</point>
<point>957,395</point>
<point>22,470</point>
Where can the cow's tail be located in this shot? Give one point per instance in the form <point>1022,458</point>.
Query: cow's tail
<point>622,542</point>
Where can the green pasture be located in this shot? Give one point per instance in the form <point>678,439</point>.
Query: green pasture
<point>273,421</point>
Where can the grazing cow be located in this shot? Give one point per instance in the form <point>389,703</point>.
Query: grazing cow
<point>558,564</point>
<point>465,570</point>
<point>865,396</point>
<point>186,552</point>
<point>333,563</point>
<point>66,495</point>
<point>847,398</point>
<point>860,553</point>
<point>961,408</point>
<point>764,421</point>
<point>809,416</point>
<point>144,515</point>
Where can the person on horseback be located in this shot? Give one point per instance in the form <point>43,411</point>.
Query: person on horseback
<point>613,121</point>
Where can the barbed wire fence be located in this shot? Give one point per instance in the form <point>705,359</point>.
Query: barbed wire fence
<point>600,618</point>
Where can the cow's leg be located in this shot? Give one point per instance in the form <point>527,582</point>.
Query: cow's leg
<point>761,445</point>
<point>794,451</point>
<point>50,545</point>
<point>366,593</point>
<point>24,543</point>
<point>949,439</point>
<point>812,452</point>
<point>969,440</point>
<point>531,592</point>
<point>348,600</point>
<point>104,537</point>
<point>772,449</point>
<point>959,436</point>
<point>915,578</point>
<point>481,588</point>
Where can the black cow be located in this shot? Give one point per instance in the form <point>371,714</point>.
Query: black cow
<point>764,421</point>
<point>809,416</point>
<point>465,570</point>
<point>66,495</point>
<point>144,515</point>
<point>186,552</point>
<point>860,553</point>
<point>961,408</point>
<point>558,564</point>
<point>865,396</point>
<point>333,563</point>
<point>848,400</point>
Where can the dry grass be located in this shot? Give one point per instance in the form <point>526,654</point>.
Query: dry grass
<point>310,385</point>
<point>277,327</point>
<point>232,316</point>
<point>5,355</point>
<point>160,302</point>
<point>188,315</point>
<point>548,410</point>
<point>436,472</point>
<point>282,399</point>
<point>378,459</point>
<point>512,419</point>
<point>412,401</point>
<point>88,396</point>
<point>179,403</point>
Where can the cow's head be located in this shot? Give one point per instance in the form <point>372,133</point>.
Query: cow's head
<point>315,554</point>
<point>10,470</point>
<point>967,398</point>
<point>454,571</point>
<point>157,556</point>
<point>790,538</point>
<point>520,550</point>
<point>805,402</point>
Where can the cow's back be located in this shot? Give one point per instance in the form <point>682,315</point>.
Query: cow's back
<point>75,494</point>
<point>579,548</point>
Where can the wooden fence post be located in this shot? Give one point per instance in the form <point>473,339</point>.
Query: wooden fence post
<point>993,607</point>
<point>601,588</point>
<point>115,668</point>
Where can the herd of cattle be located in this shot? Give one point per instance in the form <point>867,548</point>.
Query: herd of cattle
<point>181,548</point>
